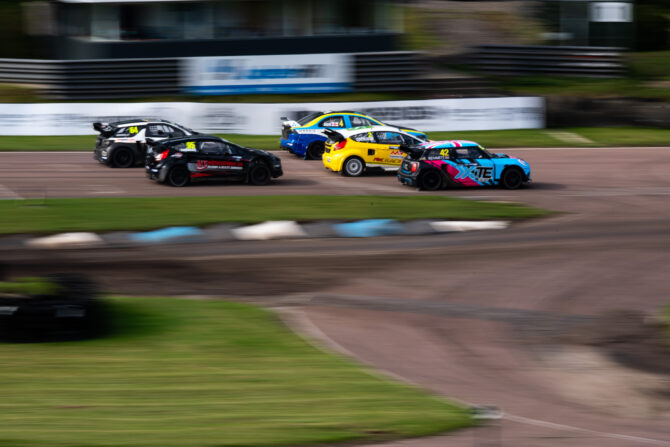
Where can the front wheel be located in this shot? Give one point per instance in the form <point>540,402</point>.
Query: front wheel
<point>178,176</point>
<point>259,174</point>
<point>353,167</point>
<point>511,178</point>
<point>315,150</point>
<point>430,181</point>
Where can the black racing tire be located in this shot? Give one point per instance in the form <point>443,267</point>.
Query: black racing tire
<point>430,180</point>
<point>178,176</point>
<point>315,150</point>
<point>259,174</point>
<point>353,167</point>
<point>512,178</point>
<point>122,157</point>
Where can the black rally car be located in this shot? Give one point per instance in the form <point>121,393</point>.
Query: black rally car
<point>177,161</point>
<point>122,144</point>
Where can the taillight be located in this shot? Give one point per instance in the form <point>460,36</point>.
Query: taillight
<point>163,155</point>
<point>414,166</point>
<point>340,145</point>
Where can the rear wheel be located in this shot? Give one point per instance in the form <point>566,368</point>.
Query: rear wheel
<point>511,178</point>
<point>122,158</point>
<point>353,167</point>
<point>430,181</point>
<point>259,174</point>
<point>178,176</point>
<point>315,150</point>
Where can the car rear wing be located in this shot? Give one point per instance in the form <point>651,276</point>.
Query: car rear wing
<point>287,123</point>
<point>104,129</point>
<point>334,135</point>
<point>413,152</point>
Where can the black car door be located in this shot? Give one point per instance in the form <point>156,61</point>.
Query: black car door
<point>215,159</point>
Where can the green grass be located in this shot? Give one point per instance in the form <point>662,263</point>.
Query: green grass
<point>601,136</point>
<point>180,373</point>
<point>106,214</point>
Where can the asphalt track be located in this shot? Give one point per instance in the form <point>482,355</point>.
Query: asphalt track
<point>498,317</point>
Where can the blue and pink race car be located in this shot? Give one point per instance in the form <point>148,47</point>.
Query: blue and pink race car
<point>439,164</point>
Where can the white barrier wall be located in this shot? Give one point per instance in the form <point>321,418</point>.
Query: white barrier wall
<point>264,119</point>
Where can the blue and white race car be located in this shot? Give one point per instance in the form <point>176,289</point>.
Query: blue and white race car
<point>306,137</point>
<point>441,164</point>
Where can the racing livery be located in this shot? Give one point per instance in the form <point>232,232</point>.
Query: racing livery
<point>352,151</point>
<point>439,164</point>
<point>306,137</point>
<point>178,161</point>
<point>122,144</point>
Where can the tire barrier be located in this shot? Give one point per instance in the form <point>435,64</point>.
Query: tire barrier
<point>285,229</point>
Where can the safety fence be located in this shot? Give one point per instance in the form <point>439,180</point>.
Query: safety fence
<point>127,78</point>
<point>104,78</point>
<point>554,60</point>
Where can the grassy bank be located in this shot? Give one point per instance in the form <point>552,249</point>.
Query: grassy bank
<point>591,137</point>
<point>107,214</point>
<point>202,373</point>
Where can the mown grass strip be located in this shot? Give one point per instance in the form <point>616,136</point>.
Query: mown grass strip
<point>107,214</point>
<point>601,136</point>
<point>177,373</point>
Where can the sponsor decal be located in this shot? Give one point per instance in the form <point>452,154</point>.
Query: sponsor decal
<point>481,173</point>
<point>201,165</point>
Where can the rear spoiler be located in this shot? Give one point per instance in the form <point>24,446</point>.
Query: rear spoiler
<point>334,135</point>
<point>104,129</point>
<point>413,152</point>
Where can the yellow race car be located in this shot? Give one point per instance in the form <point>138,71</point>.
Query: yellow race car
<point>353,151</point>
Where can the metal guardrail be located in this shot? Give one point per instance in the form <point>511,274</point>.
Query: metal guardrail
<point>555,60</point>
<point>125,78</point>
<point>104,78</point>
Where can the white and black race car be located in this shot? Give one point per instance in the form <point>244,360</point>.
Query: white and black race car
<point>122,144</point>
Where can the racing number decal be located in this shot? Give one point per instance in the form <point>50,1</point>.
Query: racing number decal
<point>444,152</point>
<point>132,130</point>
<point>190,145</point>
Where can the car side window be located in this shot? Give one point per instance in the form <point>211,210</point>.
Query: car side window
<point>359,121</point>
<point>332,121</point>
<point>214,148</point>
<point>388,138</point>
<point>476,153</point>
<point>175,132</point>
<point>365,137</point>
<point>409,140</point>
<point>460,152</point>
<point>157,130</point>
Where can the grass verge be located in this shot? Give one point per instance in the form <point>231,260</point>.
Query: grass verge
<point>598,136</point>
<point>108,214</point>
<point>202,373</point>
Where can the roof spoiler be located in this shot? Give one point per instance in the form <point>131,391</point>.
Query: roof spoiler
<point>334,135</point>
<point>104,129</point>
<point>412,151</point>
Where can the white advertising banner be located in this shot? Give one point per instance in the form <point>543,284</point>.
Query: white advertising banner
<point>236,75</point>
<point>264,119</point>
